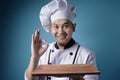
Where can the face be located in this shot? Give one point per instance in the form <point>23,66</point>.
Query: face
<point>62,30</point>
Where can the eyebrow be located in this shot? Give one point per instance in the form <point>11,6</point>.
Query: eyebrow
<point>66,23</point>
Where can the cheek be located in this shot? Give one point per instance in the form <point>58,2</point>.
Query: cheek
<point>69,32</point>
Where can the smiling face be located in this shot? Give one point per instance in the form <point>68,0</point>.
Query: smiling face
<point>62,30</point>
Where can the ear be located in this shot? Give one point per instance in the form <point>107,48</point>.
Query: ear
<point>74,27</point>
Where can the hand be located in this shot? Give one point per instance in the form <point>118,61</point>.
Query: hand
<point>37,49</point>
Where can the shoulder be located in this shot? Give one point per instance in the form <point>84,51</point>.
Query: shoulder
<point>84,50</point>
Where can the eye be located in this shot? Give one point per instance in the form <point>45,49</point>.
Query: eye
<point>66,26</point>
<point>55,27</point>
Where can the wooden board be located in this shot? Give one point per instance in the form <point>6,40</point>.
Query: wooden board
<point>65,70</point>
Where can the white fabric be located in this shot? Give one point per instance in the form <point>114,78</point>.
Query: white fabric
<point>62,14</point>
<point>84,56</point>
<point>56,9</point>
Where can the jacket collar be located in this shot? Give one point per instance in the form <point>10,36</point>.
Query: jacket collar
<point>68,45</point>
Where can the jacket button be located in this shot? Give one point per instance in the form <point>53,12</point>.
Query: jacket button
<point>71,53</point>
<point>49,78</point>
<point>52,50</point>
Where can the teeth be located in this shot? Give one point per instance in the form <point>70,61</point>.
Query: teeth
<point>61,36</point>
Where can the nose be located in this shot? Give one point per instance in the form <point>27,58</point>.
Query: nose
<point>60,31</point>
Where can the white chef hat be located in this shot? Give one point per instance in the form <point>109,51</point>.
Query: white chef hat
<point>56,9</point>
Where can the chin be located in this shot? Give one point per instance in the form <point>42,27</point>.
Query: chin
<point>61,42</point>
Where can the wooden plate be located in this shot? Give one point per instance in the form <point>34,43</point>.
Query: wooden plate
<point>65,70</point>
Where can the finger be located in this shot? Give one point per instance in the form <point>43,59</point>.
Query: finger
<point>43,47</point>
<point>33,38</point>
<point>45,44</point>
<point>37,34</point>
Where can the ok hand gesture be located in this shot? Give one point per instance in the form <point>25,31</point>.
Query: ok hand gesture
<point>37,49</point>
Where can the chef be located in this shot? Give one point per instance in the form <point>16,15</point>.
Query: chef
<point>57,18</point>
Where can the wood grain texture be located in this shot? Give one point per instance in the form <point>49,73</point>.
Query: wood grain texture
<point>65,70</point>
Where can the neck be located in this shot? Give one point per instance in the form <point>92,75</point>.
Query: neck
<point>60,46</point>
<point>65,46</point>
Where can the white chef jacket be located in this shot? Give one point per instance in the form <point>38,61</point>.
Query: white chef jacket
<point>73,54</point>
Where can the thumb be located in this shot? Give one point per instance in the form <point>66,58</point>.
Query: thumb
<point>44,45</point>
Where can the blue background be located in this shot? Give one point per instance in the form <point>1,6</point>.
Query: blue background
<point>98,28</point>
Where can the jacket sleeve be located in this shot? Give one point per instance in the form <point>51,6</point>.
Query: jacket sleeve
<point>91,59</point>
<point>37,78</point>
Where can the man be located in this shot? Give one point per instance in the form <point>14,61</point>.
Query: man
<point>56,17</point>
